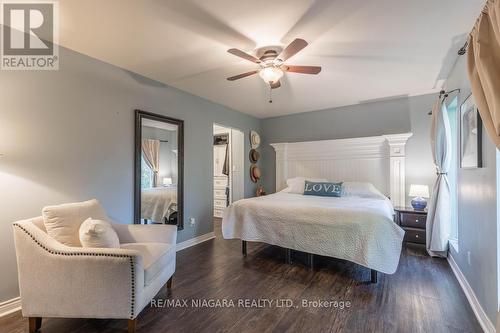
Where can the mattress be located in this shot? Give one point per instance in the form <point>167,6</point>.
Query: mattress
<point>357,229</point>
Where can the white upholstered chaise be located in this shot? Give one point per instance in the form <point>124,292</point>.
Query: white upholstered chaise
<point>56,280</point>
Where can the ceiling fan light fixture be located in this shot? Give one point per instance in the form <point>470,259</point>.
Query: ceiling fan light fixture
<point>271,74</point>
<point>272,65</point>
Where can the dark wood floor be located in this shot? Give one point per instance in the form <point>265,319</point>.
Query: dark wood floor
<point>423,296</point>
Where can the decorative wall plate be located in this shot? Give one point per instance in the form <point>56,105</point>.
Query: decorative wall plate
<point>254,173</point>
<point>254,155</point>
<point>254,139</point>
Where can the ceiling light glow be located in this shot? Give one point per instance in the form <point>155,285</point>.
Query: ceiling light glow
<point>271,74</point>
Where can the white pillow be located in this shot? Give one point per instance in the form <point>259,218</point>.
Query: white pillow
<point>98,233</point>
<point>297,184</point>
<point>63,221</point>
<point>360,189</point>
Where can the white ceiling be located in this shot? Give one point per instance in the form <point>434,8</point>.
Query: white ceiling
<point>368,49</point>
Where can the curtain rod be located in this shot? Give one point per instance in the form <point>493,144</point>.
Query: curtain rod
<point>445,94</point>
<point>463,49</point>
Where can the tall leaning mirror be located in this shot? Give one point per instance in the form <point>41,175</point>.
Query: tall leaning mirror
<point>159,160</point>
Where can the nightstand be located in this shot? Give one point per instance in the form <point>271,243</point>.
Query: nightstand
<point>413,222</point>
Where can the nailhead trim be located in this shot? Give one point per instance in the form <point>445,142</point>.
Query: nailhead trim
<point>131,260</point>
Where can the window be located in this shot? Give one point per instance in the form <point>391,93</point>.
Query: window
<point>146,175</point>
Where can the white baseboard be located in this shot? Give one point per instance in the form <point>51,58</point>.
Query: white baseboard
<point>10,306</point>
<point>194,241</point>
<point>481,316</point>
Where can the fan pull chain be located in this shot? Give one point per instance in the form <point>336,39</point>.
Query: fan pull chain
<point>270,94</point>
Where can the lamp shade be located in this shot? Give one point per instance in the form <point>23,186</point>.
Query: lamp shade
<point>167,181</point>
<point>419,191</point>
<point>271,74</point>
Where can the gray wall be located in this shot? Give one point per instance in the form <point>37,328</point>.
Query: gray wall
<point>401,115</point>
<point>477,214</point>
<point>68,135</point>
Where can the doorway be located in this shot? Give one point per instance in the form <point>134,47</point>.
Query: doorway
<point>228,165</point>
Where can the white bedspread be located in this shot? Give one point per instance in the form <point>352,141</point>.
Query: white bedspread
<point>356,229</point>
<point>156,201</point>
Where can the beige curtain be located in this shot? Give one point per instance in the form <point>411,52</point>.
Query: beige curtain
<point>483,64</point>
<point>151,153</point>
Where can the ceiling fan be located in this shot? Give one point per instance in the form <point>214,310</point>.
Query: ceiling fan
<point>272,65</point>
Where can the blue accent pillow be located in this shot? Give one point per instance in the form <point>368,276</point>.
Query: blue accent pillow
<point>323,189</point>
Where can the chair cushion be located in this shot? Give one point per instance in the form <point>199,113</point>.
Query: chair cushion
<point>98,233</point>
<point>155,257</point>
<point>63,221</point>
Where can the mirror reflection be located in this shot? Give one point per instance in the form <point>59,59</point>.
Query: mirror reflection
<point>159,172</point>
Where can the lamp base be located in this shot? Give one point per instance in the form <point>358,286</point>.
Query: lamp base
<point>419,203</point>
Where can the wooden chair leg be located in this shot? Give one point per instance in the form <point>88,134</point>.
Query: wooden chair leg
<point>244,248</point>
<point>169,282</point>
<point>34,324</point>
<point>373,276</point>
<point>311,261</point>
<point>288,256</point>
<point>132,325</point>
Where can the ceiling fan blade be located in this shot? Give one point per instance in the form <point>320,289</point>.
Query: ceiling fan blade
<point>275,85</point>
<point>244,55</point>
<point>240,76</point>
<point>293,48</point>
<point>302,69</point>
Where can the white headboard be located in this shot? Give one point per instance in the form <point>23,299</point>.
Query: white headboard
<point>379,160</point>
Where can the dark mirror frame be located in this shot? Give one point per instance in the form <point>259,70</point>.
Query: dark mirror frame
<point>139,115</point>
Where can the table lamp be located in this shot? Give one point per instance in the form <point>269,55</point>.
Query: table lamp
<point>419,192</point>
<point>167,181</point>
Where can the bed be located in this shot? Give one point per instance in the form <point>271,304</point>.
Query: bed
<point>158,202</point>
<point>355,228</point>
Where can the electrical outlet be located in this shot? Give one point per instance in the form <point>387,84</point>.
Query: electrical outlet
<point>468,258</point>
<point>192,221</point>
